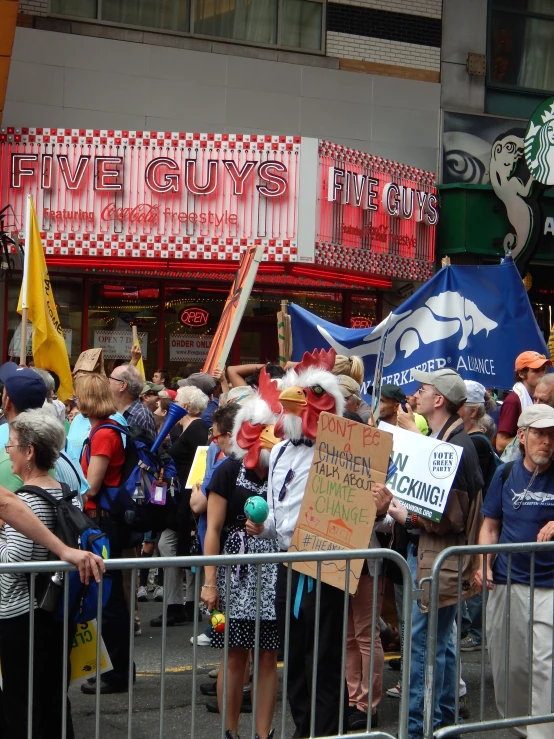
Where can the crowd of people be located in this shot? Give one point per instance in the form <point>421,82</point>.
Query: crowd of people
<point>259,423</point>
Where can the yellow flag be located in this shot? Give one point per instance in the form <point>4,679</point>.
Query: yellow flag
<point>49,350</point>
<point>140,363</point>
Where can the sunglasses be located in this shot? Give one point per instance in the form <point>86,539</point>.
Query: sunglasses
<point>288,479</point>
<point>217,436</point>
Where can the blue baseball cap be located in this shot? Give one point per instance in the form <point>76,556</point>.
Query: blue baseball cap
<point>24,387</point>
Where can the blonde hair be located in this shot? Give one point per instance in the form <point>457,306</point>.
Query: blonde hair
<point>351,366</point>
<point>94,396</point>
<point>196,400</point>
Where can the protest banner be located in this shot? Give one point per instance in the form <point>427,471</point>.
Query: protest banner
<point>233,309</point>
<point>117,344</point>
<point>37,304</point>
<point>425,472</point>
<point>83,654</point>
<point>198,469</point>
<point>338,511</point>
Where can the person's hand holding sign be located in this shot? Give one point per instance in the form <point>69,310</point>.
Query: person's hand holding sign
<point>382,497</point>
<point>397,511</point>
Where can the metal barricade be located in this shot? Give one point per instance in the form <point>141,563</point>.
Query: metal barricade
<point>197,725</point>
<point>500,667</point>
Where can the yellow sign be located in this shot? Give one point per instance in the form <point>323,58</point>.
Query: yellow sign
<point>198,469</point>
<point>83,654</point>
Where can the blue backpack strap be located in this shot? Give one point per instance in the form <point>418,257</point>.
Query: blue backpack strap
<point>115,426</point>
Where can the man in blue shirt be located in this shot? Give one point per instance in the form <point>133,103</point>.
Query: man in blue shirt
<point>519,508</point>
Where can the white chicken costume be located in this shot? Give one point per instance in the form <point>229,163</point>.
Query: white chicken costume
<point>306,391</point>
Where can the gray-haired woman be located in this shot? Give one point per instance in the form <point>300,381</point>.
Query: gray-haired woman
<point>34,441</point>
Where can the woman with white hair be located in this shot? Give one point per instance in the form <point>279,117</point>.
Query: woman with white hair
<point>175,539</point>
<point>33,446</point>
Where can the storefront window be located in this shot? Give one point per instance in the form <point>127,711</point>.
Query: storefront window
<point>68,293</point>
<point>113,309</point>
<point>520,42</point>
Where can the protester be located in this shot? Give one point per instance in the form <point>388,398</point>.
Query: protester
<point>391,399</point>
<point>161,377</point>
<point>529,368</point>
<point>149,395</point>
<point>248,374</point>
<point>440,397</point>
<point>353,402</point>
<point>351,366</point>
<point>544,390</point>
<point>207,384</point>
<point>219,448</point>
<point>240,477</point>
<point>102,462</point>
<point>34,440</point>
<point>126,386</point>
<point>520,508</point>
<point>175,539</point>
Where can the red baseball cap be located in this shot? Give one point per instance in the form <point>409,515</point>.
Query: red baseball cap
<point>534,360</point>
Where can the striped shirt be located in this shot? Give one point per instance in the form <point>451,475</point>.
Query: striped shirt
<point>14,547</point>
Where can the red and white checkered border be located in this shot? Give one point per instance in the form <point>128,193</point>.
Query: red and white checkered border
<point>361,260</point>
<point>161,247</point>
<point>379,164</point>
<point>151,139</point>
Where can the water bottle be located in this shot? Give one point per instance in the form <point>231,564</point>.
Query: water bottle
<point>138,495</point>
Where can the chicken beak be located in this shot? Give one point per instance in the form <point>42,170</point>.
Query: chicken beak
<point>268,438</point>
<point>293,400</point>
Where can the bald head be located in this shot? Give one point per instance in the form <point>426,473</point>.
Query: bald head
<point>544,391</point>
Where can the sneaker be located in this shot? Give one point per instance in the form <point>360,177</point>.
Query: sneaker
<point>463,710</point>
<point>213,673</point>
<point>159,593</point>
<point>138,630</point>
<point>209,689</point>
<point>395,692</point>
<point>470,644</point>
<point>202,640</point>
<point>395,663</point>
<point>142,594</point>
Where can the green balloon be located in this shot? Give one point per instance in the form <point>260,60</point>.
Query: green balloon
<point>256,509</point>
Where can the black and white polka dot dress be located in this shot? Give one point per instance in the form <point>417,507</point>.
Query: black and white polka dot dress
<point>243,606</point>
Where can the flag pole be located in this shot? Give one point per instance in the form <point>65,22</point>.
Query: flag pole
<point>25,309</point>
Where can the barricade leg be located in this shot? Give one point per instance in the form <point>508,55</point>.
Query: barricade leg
<point>542,662</point>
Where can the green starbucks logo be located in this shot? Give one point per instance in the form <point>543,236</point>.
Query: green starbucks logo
<point>539,143</point>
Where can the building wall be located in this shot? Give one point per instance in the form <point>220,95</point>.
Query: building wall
<point>67,79</point>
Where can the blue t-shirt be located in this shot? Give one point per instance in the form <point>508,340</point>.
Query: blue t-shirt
<point>4,434</point>
<point>522,514</point>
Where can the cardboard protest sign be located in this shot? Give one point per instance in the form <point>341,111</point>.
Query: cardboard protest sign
<point>198,469</point>
<point>91,360</point>
<point>426,469</point>
<point>83,654</point>
<point>338,511</point>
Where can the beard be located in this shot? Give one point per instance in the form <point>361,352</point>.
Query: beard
<point>263,460</point>
<point>292,427</point>
<point>540,459</point>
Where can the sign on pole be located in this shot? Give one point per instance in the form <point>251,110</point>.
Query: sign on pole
<point>426,469</point>
<point>338,511</point>
<point>233,310</point>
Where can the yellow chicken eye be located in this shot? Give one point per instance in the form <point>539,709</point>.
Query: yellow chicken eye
<point>317,390</point>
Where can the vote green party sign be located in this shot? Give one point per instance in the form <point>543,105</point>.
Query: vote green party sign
<point>425,471</point>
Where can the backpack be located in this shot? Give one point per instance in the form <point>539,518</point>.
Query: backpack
<point>75,530</point>
<point>141,470</point>
<point>497,462</point>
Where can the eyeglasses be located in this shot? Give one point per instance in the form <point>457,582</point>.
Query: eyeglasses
<point>217,436</point>
<point>424,390</point>
<point>116,379</point>
<point>11,446</point>
<point>288,479</point>
<point>542,433</point>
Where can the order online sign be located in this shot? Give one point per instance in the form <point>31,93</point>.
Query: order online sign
<point>426,469</point>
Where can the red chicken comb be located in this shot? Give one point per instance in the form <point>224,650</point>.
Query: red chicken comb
<point>269,391</point>
<point>323,359</point>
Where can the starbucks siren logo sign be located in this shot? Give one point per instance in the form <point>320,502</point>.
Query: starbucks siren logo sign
<point>539,143</point>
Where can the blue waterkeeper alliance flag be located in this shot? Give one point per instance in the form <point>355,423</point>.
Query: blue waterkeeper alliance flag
<point>473,319</point>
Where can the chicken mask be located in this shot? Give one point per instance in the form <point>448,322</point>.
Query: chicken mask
<point>306,391</point>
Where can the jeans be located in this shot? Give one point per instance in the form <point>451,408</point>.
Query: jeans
<point>445,665</point>
<point>474,607</point>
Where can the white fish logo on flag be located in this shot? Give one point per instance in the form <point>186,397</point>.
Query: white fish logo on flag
<point>441,317</point>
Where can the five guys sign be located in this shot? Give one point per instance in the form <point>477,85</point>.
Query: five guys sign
<point>222,190</point>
